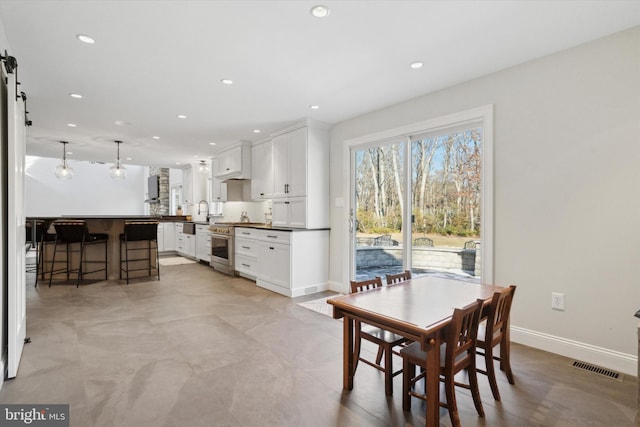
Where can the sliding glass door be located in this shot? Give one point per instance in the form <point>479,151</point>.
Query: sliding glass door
<point>418,202</point>
<point>378,209</point>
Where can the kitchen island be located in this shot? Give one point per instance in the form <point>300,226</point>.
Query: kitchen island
<point>113,226</point>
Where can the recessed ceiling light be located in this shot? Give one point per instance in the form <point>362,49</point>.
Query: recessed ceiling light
<point>196,155</point>
<point>76,95</point>
<point>122,123</point>
<point>256,131</point>
<point>227,81</point>
<point>72,125</point>
<point>69,152</point>
<point>178,163</point>
<point>320,11</point>
<point>416,65</point>
<point>314,107</point>
<point>85,38</point>
<point>212,143</point>
<point>155,137</point>
<point>129,158</point>
<point>182,116</point>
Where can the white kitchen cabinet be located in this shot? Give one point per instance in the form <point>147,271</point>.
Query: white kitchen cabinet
<point>218,186</point>
<point>246,252</point>
<point>262,170</point>
<point>185,243</point>
<point>235,162</point>
<point>194,189</point>
<point>301,176</point>
<point>203,243</point>
<point>289,163</point>
<point>166,237</point>
<point>293,263</point>
<point>290,212</point>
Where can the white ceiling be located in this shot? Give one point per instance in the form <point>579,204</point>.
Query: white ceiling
<point>153,60</point>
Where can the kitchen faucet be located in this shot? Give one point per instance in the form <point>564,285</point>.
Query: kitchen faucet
<point>207,204</point>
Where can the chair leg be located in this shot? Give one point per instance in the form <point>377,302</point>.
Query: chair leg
<point>505,361</point>
<point>388,370</point>
<point>53,261</point>
<point>452,406</point>
<point>158,259</point>
<point>80,269</point>
<point>379,355</point>
<point>491,372</point>
<point>475,391</point>
<point>408,371</point>
<point>356,346</point>
<point>126,257</point>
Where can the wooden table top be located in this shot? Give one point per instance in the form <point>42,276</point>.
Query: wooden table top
<point>421,302</point>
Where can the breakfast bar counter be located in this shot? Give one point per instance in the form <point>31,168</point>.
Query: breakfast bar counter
<point>113,226</point>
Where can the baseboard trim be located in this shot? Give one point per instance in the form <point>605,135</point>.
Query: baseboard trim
<point>622,362</point>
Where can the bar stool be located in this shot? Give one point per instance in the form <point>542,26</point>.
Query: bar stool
<point>139,231</point>
<point>72,232</point>
<point>39,237</point>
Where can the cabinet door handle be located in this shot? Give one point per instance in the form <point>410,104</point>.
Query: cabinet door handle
<point>286,203</point>
<point>245,265</point>
<point>272,237</point>
<point>246,247</point>
<point>228,168</point>
<point>271,247</point>
<point>246,233</point>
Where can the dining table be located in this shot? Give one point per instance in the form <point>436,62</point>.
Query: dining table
<point>419,309</point>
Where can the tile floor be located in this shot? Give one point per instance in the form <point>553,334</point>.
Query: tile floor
<point>201,349</point>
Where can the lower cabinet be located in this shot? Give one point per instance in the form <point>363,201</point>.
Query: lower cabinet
<point>186,244</point>
<point>166,237</point>
<point>293,263</point>
<point>246,252</point>
<point>203,243</point>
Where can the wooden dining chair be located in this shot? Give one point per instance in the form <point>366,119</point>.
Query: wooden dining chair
<point>392,279</point>
<point>493,331</point>
<point>385,340</point>
<point>457,353</point>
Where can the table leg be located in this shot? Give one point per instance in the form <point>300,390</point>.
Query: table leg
<point>347,353</point>
<point>432,381</point>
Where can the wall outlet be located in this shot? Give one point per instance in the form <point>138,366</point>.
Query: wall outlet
<point>557,301</point>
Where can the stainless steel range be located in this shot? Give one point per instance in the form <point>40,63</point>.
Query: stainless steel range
<point>222,258</point>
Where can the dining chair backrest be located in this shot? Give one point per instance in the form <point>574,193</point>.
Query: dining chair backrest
<point>498,315</point>
<point>364,285</point>
<point>461,337</point>
<point>392,279</point>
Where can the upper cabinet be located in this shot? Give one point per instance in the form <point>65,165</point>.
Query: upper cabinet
<point>300,156</point>
<point>234,163</point>
<point>262,170</point>
<point>194,188</point>
<point>290,163</point>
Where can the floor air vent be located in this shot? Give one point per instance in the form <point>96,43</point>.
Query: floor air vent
<point>597,370</point>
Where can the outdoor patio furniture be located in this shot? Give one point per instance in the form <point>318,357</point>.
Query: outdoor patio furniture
<point>423,242</point>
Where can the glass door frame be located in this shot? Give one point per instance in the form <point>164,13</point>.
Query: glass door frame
<point>480,116</point>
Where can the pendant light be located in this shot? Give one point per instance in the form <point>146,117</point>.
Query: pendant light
<point>117,171</point>
<point>203,168</point>
<point>64,171</point>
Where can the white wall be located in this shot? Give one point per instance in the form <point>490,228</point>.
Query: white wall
<point>91,191</point>
<point>567,203</point>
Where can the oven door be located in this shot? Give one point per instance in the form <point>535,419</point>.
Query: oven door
<point>222,252</point>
